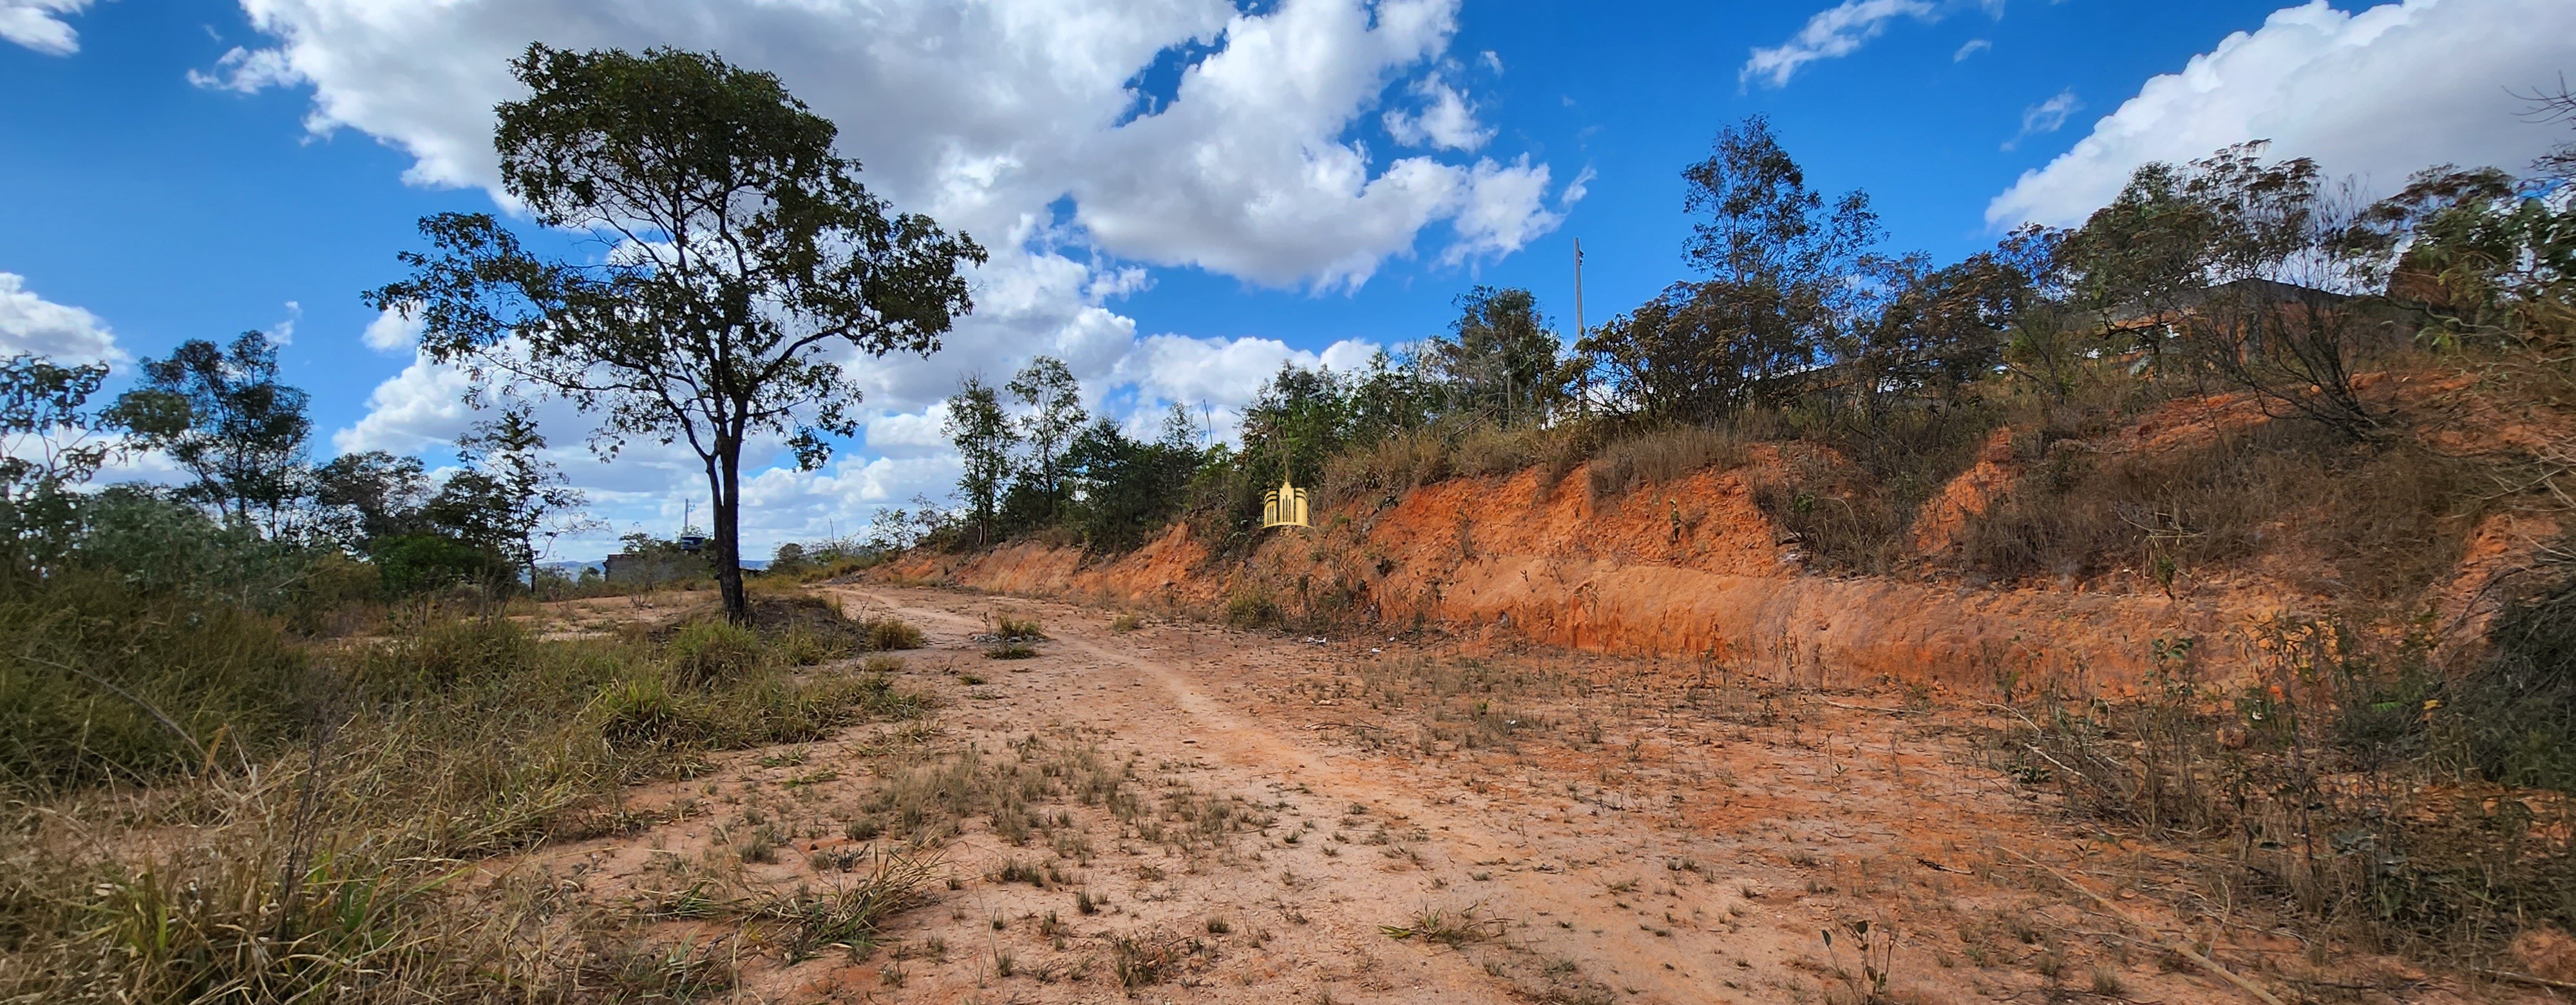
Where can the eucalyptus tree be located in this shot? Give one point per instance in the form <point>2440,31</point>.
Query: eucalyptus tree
<point>1499,358</point>
<point>371,495</point>
<point>984,438</point>
<point>1786,272</point>
<point>1046,388</point>
<point>46,447</point>
<point>744,266</point>
<point>510,497</point>
<point>221,413</point>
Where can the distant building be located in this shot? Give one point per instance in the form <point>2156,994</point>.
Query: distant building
<point>650,568</point>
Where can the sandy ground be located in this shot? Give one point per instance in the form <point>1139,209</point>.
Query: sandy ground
<point>1373,821</point>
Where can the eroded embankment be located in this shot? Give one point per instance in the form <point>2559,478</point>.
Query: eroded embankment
<point>1690,569</point>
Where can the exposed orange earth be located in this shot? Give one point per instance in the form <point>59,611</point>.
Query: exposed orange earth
<point>1693,567</point>
<point>1557,748</point>
<point>1367,820</point>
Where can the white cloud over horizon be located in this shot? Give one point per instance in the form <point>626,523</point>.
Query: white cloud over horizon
<point>1253,141</point>
<point>30,324</point>
<point>2375,95</point>
<point>1254,166</point>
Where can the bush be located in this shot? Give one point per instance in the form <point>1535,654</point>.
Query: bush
<point>413,564</point>
<point>1251,608</point>
<point>161,548</point>
<point>2514,720</point>
<point>1388,468</point>
<point>101,684</point>
<point>1852,504</point>
<point>710,650</point>
<point>2384,521</point>
<point>891,633</point>
<point>1013,628</point>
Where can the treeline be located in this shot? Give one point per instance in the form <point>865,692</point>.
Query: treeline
<point>252,514</point>
<point>1037,462</point>
<point>2229,273</point>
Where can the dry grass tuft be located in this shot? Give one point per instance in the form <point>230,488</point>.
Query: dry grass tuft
<point>1449,927</point>
<point>1663,455</point>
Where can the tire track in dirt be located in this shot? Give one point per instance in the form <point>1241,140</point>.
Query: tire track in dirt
<point>1671,966</point>
<point>1641,833</point>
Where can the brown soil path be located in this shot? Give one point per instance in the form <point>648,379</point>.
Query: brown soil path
<point>1410,824</point>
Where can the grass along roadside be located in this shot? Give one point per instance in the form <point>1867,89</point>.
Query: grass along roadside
<point>319,857</point>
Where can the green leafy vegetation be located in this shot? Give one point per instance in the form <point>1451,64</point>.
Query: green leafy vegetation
<point>735,194</point>
<point>250,725</point>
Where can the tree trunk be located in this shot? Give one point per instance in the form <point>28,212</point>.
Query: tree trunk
<point>724,476</point>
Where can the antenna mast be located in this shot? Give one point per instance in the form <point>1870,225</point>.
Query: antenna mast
<point>1584,403</point>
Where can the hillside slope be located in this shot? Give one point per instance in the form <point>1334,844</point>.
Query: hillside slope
<point>1694,568</point>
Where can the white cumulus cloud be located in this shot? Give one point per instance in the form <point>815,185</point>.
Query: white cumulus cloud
<point>994,116</point>
<point>2376,94</point>
<point>39,24</point>
<point>391,332</point>
<point>1246,170</point>
<point>1446,120</point>
<point>246,71</point>
<point>1506,207</point>
<point>33,325</point>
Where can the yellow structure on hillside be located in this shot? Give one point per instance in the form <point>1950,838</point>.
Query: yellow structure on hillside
<point>1284,506</point>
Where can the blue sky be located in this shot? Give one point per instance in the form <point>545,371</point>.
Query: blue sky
<point>1185,192</point>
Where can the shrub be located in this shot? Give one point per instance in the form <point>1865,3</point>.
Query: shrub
<point>2514,720</point>
<point>2383,521</point>
<point>711,650</point>
<point>99,683</point>
<point>1405,461</point>
<point>891,633</point>
<point>1387,468</point>
<point>420,563</point>
<point>2339,787</point>
<point>1013,628</point>
<point>1251,608</point>
<point>1853,502</point>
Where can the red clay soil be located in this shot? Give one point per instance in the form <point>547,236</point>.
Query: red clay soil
<point>1693,567</point>
<point>1376,822</point>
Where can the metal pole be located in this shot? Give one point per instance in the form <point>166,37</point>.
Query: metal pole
<point>1584,405</point>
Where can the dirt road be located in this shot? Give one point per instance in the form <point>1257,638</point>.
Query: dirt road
<point>1184,812</point>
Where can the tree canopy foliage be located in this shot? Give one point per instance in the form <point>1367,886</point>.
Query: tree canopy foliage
<point>745,265</point>
<point>222,414</point>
